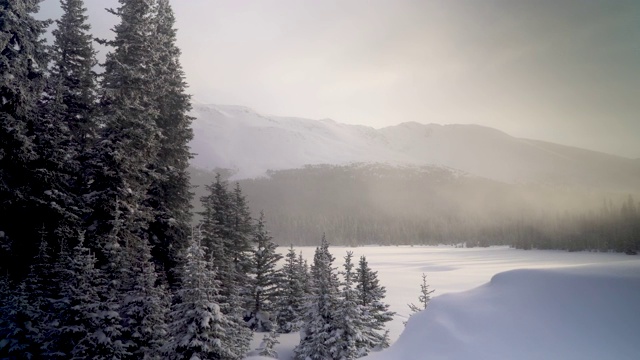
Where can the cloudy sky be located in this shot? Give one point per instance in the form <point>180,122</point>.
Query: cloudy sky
<point>566,71</point>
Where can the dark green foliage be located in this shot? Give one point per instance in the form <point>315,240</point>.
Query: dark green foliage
<point>122,164</point>
<point>370,296</point>
<point>198,328</point>
<point>24,205</point>
<point>318,337</point>
<point>169,194</point>
<point>290,302</point>
<point>266,278</point>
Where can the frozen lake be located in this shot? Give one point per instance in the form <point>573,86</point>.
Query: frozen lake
<point>451,269</point>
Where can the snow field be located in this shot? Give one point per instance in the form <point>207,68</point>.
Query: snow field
<point>454,270</point>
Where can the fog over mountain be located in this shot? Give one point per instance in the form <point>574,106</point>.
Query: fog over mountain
<point>239,138</point>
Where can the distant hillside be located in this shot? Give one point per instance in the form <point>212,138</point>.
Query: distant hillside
<point>383,204</point>
<point>238,138</point>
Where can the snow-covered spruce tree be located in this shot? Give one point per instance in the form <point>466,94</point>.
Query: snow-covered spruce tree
<point>242,238</point>
<point>350,340</point>
<point>8,310</point>
<point>145,305</point>
<point>290,301</point>
<point>198,329</point>
<point>73,62</point>
<point>424,298</point>
<point>269,341</point>
<point>305,275</point>
<point>77,304</point>
<point>68,124</point>
<point>318,333</point>
<point>265,280</point>
<point>370,295</point>
<point>23,62</point>
<point>215,225</point>
<point>169,193</point>
<point>121,165</point>
<point>28,322</point>
<point>107,342</point>
<point>219,236</point>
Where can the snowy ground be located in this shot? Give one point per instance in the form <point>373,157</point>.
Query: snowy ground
<point>496,304</point>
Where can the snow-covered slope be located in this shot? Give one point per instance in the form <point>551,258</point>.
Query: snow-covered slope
<point>581,313</point>
<point>239,138</point>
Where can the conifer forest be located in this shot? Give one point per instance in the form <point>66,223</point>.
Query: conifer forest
<point>99,257</point>
<point>115,246</point>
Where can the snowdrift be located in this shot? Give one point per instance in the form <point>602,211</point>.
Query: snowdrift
<point>587,312</point>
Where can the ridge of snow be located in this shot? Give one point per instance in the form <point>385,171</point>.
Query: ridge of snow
<point>585,312</point>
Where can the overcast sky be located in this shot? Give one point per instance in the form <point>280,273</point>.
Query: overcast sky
<point>556,70</point>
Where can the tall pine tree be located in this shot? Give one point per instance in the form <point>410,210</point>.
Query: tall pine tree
<point>317,337</point>
<point>198,329</point>
<point>122,165</point>
<point>23,62</point>
<point>169,194</point>
<point>266,277</point>
<point>370,295</point>
<point>291,294</point>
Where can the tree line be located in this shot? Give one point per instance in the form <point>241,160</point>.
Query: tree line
<point>376,204</point>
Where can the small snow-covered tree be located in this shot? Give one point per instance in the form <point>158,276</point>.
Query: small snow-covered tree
<point>290,302</point>
<point>266,277</point>
<point>321,310</point>
<point>83,318</point>
<point>198,329</point>
<point>370,295</point>
<point>349,339</point>
<point>9,343</point>
<point>145,305</point>
<point>424,298</point>
<point>267,346</point>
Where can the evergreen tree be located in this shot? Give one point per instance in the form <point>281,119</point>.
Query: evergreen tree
<point>266,278</point>
<point>292,293</point>
<point>198,329</point>
<point>106,341</point>
<point>68,126</point>
<point>370,295</point>
<point>269,341</point>
<point>305,275</point>
<point>78,305</point>
<point>350,340</point>
<point>219,236</point>
<point>317,337</point>
<point>74,59</point>
<point>8,308</point>
<point>242,237</point>
<point>215,225</point>
<point>27,322</point>
<point>122,164</point>
<point>169,194</point>
<point>23,62</point>
<point>145,305</point>
<point>424,298</point>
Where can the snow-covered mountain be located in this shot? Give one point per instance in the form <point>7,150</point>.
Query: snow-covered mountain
<point>238,138</point>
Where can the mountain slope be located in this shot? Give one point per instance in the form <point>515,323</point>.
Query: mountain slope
<point>238,138</point>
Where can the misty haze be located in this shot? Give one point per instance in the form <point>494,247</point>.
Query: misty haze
<point>299,179</point>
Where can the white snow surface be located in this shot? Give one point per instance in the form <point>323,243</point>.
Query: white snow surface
<point>501,303</point>
<point>583,313</point>
<point>236,137</point>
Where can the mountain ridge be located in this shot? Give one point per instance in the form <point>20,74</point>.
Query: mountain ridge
<point>237,137</point>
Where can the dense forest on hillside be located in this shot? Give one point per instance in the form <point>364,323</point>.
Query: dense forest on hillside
<point>379,204</point>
